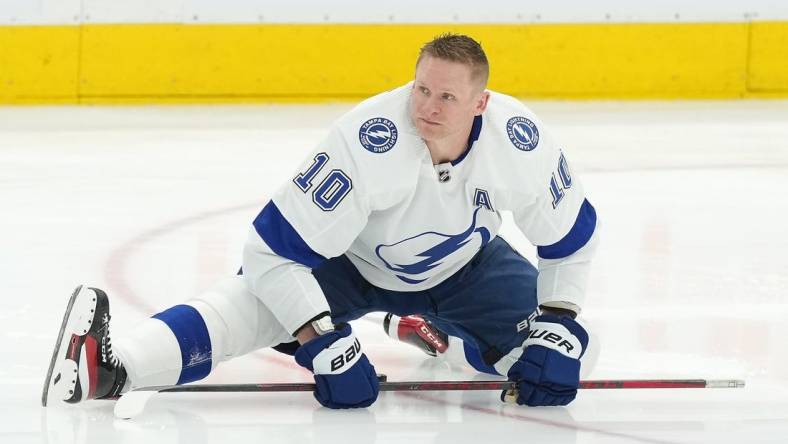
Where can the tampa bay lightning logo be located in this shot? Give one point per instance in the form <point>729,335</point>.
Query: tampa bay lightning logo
<point>378,135</point>
<point>426,251</point>
<point>523,133</point>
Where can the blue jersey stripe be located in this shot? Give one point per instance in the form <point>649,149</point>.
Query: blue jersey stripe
<point>476,129</point>
<point>283,239</point>
<point>194,341</point>
<point>577,237</point>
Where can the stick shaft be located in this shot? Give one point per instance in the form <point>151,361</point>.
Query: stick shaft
<point>661,383</point>
<point>456,385</point>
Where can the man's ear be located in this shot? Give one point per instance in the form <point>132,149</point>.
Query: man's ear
<point>481,103</point>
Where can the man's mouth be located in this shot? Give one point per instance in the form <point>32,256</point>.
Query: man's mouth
<point>429,122</point>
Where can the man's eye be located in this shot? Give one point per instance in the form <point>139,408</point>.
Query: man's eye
<point>424,91</point>
<point>448,97</point>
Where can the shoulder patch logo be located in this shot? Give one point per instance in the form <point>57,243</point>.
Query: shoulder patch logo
<point>522,133</point>
<point>378,135</point>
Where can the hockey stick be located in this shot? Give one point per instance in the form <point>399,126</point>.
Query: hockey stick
<point>133,403</point>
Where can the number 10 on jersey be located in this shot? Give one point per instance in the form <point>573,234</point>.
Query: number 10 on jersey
<point>560,182</point>
<point>334,187</point>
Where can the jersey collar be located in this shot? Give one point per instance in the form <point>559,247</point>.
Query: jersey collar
<point>476,129</point>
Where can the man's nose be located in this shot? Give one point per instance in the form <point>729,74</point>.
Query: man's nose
<point>431,106</point>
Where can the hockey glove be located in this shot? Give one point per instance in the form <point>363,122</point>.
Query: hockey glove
<point>548,371</point>
<point>343,374</point>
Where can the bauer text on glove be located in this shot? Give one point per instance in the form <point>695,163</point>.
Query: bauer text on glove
<point>343,374</point>
<point>548,370</point>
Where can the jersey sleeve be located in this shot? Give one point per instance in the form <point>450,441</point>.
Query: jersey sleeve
<point>560,221</point>
<point>309,219</point>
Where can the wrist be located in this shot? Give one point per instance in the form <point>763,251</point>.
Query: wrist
<point>317,326</point>
<point>556,311</point>
<point>305,334</point>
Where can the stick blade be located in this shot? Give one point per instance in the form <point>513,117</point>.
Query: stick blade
<point>132,403</point>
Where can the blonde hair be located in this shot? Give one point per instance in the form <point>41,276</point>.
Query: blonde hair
<point>460,49</point>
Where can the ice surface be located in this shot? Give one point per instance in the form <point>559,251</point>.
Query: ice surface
<point>152,204</point>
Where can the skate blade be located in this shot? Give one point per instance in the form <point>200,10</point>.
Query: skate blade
<point>62,371</point>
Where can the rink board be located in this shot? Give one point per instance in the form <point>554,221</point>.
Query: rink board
<point>159,63</point>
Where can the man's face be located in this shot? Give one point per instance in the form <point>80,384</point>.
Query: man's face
<point>444,98</point>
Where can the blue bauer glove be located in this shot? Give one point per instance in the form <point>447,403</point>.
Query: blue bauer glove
<point>548,370</point>
<point>343,375</point>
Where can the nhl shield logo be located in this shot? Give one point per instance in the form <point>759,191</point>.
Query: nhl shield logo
<point>378,135</point>
<point>522,133</point>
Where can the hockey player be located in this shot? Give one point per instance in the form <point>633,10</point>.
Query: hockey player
<point>396,211</point>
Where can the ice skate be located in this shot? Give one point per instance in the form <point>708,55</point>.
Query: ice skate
<point>83,366</point>
<point>417,331</point>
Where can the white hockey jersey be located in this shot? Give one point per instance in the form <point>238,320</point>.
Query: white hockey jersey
<point>370,191</point>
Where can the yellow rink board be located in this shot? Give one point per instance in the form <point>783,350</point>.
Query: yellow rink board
<point>769,57</point>
<point>158,63</point>
<point>39,63</point>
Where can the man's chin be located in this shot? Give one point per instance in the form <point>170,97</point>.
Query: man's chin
<point>428,132</point>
